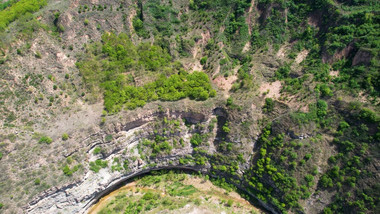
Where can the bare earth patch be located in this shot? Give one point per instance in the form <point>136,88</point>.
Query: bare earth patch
<point>205,37</point>
<point>301,56</point>
<point>246,47</point>
<point>130,19</point>
<point>225,83</point>
<point>334,73</point>
<point>192,65</point>
<point>272,90</point>
<point>281,53</point>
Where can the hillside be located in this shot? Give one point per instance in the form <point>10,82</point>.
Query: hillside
<point>278,98</point>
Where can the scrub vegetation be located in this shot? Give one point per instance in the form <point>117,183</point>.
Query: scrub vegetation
<point>277,97</point>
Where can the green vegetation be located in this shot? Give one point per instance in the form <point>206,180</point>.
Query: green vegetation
<point>196,139</point>
<point>6,4</point>
<point>114,75</point>
<point>108,138</point>
<point>37,181</point>
<point>97,165</point>
<point>352,27</point>
<point>349,168</point>
<point>325,54</point>
<point>18,9</point>
<point>69,171</point>
<point>45,139</point>
<point>97,150</point>
<point>65,136</point>
<point>269,105</point>
<point>160,145</point>
<point>138,25</point>
<point>146,195</point>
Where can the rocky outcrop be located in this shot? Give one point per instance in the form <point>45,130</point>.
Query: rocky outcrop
<point>80,195</point>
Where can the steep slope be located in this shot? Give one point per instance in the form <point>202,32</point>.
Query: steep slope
<point>286,107</point>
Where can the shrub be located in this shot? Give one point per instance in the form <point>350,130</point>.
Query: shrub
<point>138,25</point>
<point>60,28</point>
<point>97,165</point>
<point>196,139</point>
<point>66,170</point>
<point>325,90</point>
<point>293,155</point>
<point>269,105</point>
<point>148,196</point>
<point>225,128</point>
<point>321,108</point>
<point>65,136</point>
<point>97,150</point>
<point>229,203</point>
<point>38,55</point>
<point>283,72</point>
<point>45,139</point>
<point>203,60</point>
<point>325,181</point>
<point>230,101</point>
<point>37,181</point>
<point>343,125</point>
<point>368,115</point>
<point>309,178</point>
<point>102,121</point>
<point>108,138</point>
<point>86,22</point>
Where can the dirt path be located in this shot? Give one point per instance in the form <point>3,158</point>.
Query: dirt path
<point>249,17</point>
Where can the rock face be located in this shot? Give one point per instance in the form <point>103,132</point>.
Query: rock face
<point>78,196</point>
<point>128,144</point>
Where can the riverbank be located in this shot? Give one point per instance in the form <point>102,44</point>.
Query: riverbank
<point>172,193</point>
